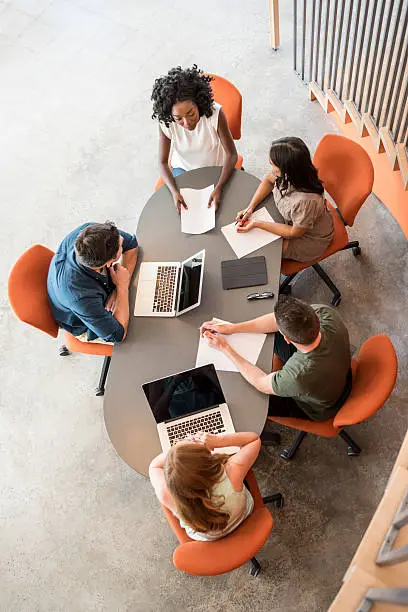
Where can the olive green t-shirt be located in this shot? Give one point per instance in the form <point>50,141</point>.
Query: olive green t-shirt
<point>317,379</point>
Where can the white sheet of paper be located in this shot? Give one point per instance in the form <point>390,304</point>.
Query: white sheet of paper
<point>198,218</point>
<point>247,345</point>
<point>247,242</point>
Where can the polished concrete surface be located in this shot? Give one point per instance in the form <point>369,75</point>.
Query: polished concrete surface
<point>79,530</point>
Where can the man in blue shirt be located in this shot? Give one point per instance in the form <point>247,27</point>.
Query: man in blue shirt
<point>87,290</point>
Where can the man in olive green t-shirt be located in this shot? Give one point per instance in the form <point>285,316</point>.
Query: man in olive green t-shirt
<point>313,343</point>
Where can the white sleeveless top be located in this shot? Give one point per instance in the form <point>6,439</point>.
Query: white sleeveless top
<point>196,148</point>
<point>239,504</point>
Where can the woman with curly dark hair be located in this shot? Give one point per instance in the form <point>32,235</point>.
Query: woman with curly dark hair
<point>308,227</point>
<point>194,126</point>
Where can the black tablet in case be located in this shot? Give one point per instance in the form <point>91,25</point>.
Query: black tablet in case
<point>246,272</point>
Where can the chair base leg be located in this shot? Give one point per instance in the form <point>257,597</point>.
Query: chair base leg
<point>289,453</point>
<point>276,499</point>
<point>355,245</point>
<point>353,449</point>
<point>63,351</point>
<point>326,279</point>
<point>255,567</point>
<point>100,390</point>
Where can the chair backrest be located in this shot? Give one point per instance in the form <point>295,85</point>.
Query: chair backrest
<point>229,553</point>
<point>373,383</point>
<point>226,94</point>
<point>346,171</point>
<point>27,289</point>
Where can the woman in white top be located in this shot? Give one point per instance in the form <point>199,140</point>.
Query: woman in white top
<point>203,489</point>
<point>194,126</point>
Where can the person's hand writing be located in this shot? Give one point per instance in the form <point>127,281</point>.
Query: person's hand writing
<point>120,276</point>
<point>243,216</point>
<point>111,301</point>
<point>215,198</point>
<point>179,202</point>
<point>246,226</point>
<point>217,328</point>
<point>216,341</point>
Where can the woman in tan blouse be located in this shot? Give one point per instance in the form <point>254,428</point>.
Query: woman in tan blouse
<point>308,227</point>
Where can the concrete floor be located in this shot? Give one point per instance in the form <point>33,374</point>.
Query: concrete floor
<point>79,530</point>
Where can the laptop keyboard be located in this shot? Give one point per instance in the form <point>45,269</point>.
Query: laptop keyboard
<point>211,423</point>
<point>165,288</point>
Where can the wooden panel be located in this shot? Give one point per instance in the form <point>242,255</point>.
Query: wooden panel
<point>372,130</point>
<point>403,163</point>
<point>315,93</point>
<point>338,106</point>
<point>355,117</point>
<point>274,23</point>
<point>389,147</point>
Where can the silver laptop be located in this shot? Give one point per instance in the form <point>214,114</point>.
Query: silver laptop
<point>187,403</point>
<point>169,289</point>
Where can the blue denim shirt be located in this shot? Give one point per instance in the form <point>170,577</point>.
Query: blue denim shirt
<point>77,294</point>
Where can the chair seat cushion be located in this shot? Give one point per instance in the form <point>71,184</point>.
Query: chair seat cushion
<point>340,240</point>
<point>226,554</point>
<point>88,348</point>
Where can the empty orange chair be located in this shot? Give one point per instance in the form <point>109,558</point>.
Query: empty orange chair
<point>226,94</point>
<point>347,174</point>
<point>27,291</point>
<point>235,549</point>
<point>374,376</point>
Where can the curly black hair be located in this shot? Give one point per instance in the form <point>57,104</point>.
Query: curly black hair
<point>178,86</point>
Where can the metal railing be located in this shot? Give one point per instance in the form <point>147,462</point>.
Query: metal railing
<point>357,49</point>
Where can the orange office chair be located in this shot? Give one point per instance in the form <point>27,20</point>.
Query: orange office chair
<point>235,549</point>
<point>347,174</point>
<point>374,376</point>
<point>27,290</point>
<point>226,94</point>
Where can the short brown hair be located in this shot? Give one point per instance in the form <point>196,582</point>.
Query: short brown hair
<point>97,243</point>
<point>296,320</point>
<point>191,472</point>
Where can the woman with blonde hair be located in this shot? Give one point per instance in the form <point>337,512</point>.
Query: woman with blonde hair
<point>204,489</point>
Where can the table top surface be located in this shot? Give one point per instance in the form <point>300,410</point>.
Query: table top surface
<point>156,347</point>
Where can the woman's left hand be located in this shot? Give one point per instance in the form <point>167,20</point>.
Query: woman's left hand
<point>215,198</point>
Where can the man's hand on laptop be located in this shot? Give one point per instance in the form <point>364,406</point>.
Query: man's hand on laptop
<point>216,341</point>
<point>120,276</point>
<point>217,328</point>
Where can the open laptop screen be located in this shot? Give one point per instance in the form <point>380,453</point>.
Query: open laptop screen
<point>181,394</point>
<point>191,275</point>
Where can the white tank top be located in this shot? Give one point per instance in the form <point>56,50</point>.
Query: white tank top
<point>196,148</point>
<point>238,503</point>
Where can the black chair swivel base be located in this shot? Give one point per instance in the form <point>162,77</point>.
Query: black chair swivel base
<point>289,453</point>
<point>63,351</point>
<point>286,289</point>
<point>353,449</point>
<point>277,500</point>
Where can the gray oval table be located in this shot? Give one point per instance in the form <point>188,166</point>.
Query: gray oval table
<point>156,347</point>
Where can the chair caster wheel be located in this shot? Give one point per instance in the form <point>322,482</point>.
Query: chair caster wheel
<point>63,351</point>
<point>285,454</point>
<point>255,571</point>
<point>336,300</point>
<point>255,567</point>
<point>356,251</point>
<point>352,452</point>
<point>99,392</point>
<point>280,502</point>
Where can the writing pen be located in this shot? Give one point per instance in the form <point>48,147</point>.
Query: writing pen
<point>241,216</point>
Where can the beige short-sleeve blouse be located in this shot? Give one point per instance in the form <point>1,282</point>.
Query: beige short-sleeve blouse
<point>307,210</point>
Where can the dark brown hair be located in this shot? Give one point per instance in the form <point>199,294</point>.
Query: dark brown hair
<point>96,244</point>
<point>296,320</point>
<point>291,155</point>
<point>191,472</point>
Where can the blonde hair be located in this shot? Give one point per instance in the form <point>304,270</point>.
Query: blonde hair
<point>191,472</point>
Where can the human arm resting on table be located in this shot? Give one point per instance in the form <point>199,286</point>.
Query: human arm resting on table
<point>254,375</point>
<point>279,229</point>
<point>228,145</point>
<point>261,325</point>
<point>264,189</point>
<point>165,172</point>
